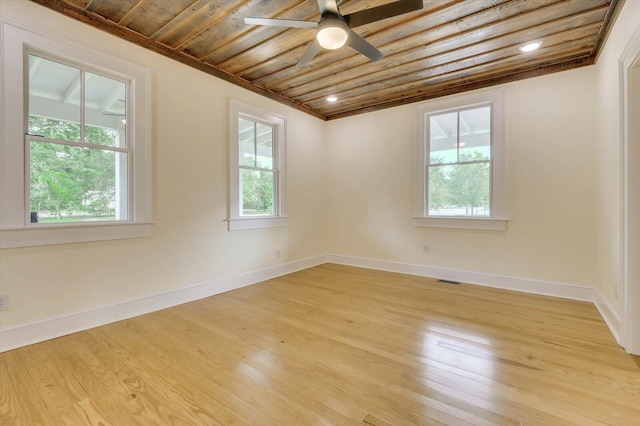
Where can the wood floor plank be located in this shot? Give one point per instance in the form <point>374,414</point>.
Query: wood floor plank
<point>146,383</point>
<point>165,354</point>
<point>246,380</point>
<point>259,365</point>
<point>33,407</point>
<point>90,413</point>
<point>369,357</point>
<point>10,407</point>
<point>123,398</point>
<point>373,421</point>
<point>334,345</point>
<point>371,376</point>
<point>58,390</point>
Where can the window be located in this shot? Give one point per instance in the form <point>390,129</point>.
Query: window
<point>75,142</point>
<point>256,168</point>
<point>459,167</point>
<point>78,156</point>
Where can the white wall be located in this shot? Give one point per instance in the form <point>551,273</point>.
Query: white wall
<point>608,166</point>
<point>550,195</point>
<point>349,189</point>
<point>190,242</point>
<point>609,184</point>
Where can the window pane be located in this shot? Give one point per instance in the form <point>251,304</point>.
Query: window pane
<point>475,134</point>
<point>265,146</point>
<point>246,142</point>
<point>105,110</point>
<point>54,99</point>
<point>71,184</point>
<point>460,190</point>
<point>443,138</point>
<point>257,192</point>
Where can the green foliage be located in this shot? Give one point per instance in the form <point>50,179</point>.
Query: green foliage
<point>463,185</point>
<point>438,190</point>
<point>54,129</point>
<point>257,192</point>
<point>68,180</point>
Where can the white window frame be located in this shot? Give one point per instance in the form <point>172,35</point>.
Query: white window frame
<point>498,219</point>
<point>15,230</point>
<point>235,220</point>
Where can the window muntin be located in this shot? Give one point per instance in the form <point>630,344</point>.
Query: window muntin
<point>77,155</point>
<point>459,163</point>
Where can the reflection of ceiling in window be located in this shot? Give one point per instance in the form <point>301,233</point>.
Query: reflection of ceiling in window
<point>55,91</point>
<point>247,130</point>
<point>264,132</point>
<point>474,125</point>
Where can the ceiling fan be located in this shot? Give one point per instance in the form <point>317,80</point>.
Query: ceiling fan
<point>334,29</point>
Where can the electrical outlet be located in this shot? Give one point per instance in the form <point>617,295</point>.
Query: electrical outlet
<point>278,253</point>
<point>4,302</point>
<point>425,249</point>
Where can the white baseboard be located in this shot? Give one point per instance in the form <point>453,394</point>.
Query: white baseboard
<point>547,288</point>
<point>609,315</point>
<point>24,334</point>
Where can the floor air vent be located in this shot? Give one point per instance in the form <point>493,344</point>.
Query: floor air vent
<point>449,282</point>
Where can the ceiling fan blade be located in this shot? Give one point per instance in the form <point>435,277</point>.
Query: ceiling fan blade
<point>361,45</point>
<point>291,23</point>
<point>330,6</point>
<point>385,11</point>
<point>309,54</point>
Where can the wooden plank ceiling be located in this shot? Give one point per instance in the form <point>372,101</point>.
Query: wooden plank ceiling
<point>447,47</point>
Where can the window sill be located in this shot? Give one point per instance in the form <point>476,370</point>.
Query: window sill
<point>240,224</point>
<point>481,224</point>
<point>42,235</point>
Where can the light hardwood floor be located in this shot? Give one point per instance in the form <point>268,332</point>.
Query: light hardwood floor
<point>333,345</point>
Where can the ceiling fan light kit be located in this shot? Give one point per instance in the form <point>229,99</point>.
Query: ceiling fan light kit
<point>332,33</point>
<point>334,30</point>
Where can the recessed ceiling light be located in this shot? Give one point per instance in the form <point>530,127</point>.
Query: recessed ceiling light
<point>332,98</point>
<point>530,47</point>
